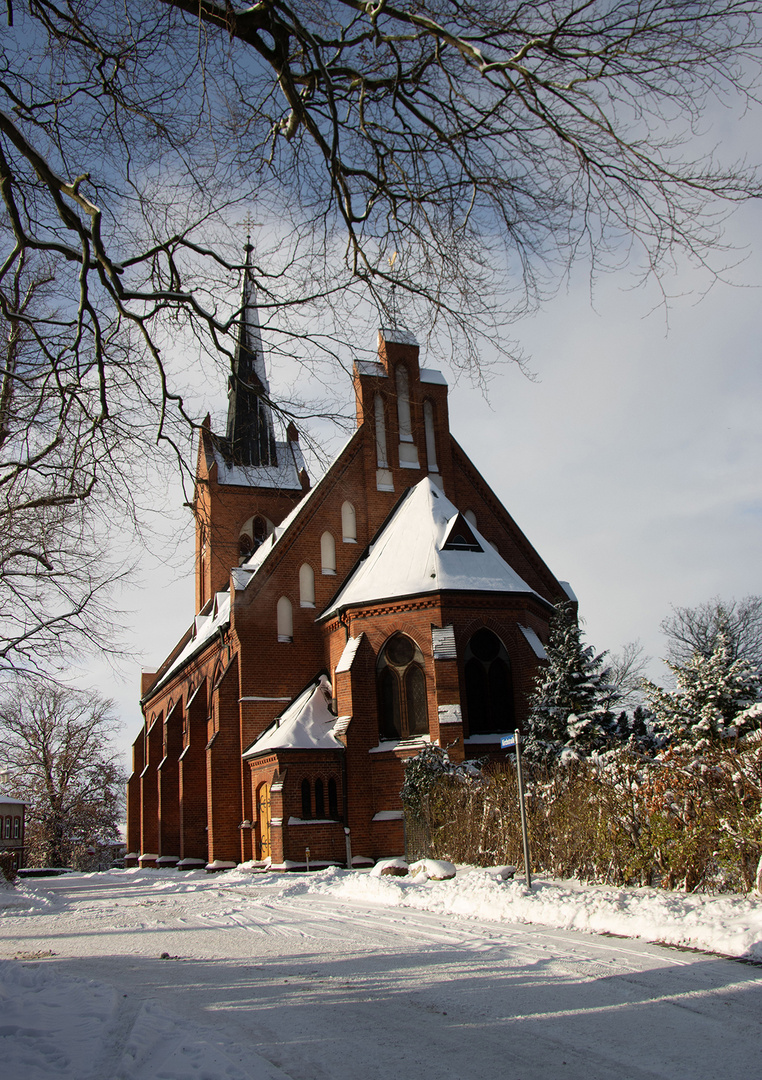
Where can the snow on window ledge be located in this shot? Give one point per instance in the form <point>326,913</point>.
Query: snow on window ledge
<point>401,744</point>
<point>312,821</point>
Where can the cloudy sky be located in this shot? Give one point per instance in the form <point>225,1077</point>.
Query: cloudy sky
<point>633,462</point>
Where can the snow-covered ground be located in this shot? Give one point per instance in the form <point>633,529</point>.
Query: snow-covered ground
<point>161,975</point>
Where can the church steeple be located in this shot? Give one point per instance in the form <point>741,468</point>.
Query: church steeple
<point>250,434</point>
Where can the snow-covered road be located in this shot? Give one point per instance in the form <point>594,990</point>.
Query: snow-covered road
<point>266,978</point>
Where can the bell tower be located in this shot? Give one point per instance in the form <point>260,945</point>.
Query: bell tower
<point>246,481</point>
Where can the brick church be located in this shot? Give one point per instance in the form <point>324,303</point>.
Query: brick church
<point>340,627</point>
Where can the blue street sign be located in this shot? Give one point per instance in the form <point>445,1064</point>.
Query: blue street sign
<point>506,741</point>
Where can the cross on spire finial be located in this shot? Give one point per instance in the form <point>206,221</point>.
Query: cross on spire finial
<point>248,223</point>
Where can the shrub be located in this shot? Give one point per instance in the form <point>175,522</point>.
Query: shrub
<point>681,819</point>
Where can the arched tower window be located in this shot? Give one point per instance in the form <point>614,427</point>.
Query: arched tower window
<point>328,553</point>
<point>306,800</point>
<point>402,707</point>
<point>470,517</point>
<point>306,586</point>
<point>378,407</point>
<point>254,532</point>
<point>489,684</point>
<point>285,620</point>
<point>403,404</point>
<point>431,442</point>
<point>348,523</point>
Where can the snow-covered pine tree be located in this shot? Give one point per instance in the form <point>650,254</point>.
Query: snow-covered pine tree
<point>715,696</point>
<point>569,715</point>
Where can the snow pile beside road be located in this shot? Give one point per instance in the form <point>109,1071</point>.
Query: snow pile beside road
<point>21,896</point>
<point>730,925</point>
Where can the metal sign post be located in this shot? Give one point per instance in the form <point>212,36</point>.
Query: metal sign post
<point>522,808</point>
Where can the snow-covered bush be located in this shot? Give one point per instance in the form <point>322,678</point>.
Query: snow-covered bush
<point>715,697</point>
<point>423,771</point>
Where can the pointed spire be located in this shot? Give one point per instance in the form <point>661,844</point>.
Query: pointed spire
<point>250,433</point>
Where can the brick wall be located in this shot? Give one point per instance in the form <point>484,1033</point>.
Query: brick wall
<point>192,779</point>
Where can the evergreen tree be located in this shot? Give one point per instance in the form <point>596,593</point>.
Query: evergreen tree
<point>715,696</point>
<point>570,712</point>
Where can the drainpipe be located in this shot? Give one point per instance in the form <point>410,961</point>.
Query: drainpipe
<point>347,837</point>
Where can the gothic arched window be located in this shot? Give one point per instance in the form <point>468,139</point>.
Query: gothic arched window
<point>306,800</point>
<point>306,586</point>
<point>378,409</point>
<point>402,708</point>
<point>333,800</point>
<point>403,404</point>
<point>489,685</point>
<point>348,523</point>
<point>431,440</point>
<point>285,619</point>
<point>328,553</point>
<point>319,800</point>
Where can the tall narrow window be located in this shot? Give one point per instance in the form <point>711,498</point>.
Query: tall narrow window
<point>381,459</point>
<point>489,685</point>
<point>402,706</point>
<point>328,553</point>
<point>306,586</point>
<point>306,800</point>
<point>319,799</point>
<point>16,828</point>
<point>285,620</point>
<point>431,442</point>
<point>348,523</point>
<point>403,404</point>
<point>333,800</point>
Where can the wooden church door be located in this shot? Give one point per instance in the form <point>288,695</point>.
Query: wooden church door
<point>264,821</point>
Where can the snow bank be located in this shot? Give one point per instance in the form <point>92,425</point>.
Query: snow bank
<point>730,925</point>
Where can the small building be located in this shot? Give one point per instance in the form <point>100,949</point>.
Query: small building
<point>339,628</point>
<point>12,832</point>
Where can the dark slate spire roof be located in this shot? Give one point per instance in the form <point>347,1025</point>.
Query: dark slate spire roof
<point>250,435</point>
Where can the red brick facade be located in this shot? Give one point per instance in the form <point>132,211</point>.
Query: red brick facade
<point>201,792</point>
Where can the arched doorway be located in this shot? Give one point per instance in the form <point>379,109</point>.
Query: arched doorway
<point>263,821</point>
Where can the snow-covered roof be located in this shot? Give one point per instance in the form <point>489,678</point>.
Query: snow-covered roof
<point>349,653</point>
<point>407,557</point>
<point>243,574</point>
<point>306,724</point>
<point>396,334</point>
<point>284,476</point>
<point>431,375</point>
<point>205,627</point>
<point>568,590</point>
<point>371,367</point>
<point>537,646</point>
